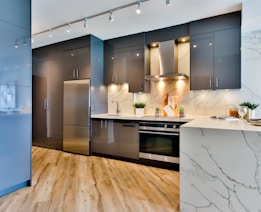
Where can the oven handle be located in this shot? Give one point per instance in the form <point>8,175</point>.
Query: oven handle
<point>158,133</point>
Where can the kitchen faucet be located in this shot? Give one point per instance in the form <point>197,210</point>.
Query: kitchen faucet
<point>117,107</point>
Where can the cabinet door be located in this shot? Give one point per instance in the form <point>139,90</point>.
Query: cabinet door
<point>69,61</point>
<point>77,64</point>
<point>227,63</point>
<point>116,62</point>
<point>135,72</point>
<point>102,139</point>
<point>128,136</point>
<point>83,63</point>
<point>201,61</point>
<point>124,62</point>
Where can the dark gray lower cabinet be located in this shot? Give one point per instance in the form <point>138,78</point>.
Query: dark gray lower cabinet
<point>103,139</point>
<point>116,138</point>
<point>128,136</point>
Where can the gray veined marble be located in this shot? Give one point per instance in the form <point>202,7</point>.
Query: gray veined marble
<point>220,170</point>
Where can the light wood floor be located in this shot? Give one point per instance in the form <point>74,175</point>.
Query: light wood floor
<point>75,183</point>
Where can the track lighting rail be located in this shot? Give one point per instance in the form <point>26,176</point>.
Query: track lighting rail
<point>91,16</point>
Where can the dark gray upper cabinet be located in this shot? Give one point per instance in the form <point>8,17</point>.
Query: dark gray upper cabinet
<point>49,52</point>
<point>124,62</point>
<point>201,61</point>
<point>222,22</point>
<point>77,64</point>
<point>77,58</point>
<point>169,33</point>
<point>215,57</point>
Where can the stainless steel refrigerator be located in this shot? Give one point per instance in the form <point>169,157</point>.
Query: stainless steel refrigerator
<point>76,116</point>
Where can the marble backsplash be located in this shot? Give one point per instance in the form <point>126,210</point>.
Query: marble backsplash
<point>205,102</point>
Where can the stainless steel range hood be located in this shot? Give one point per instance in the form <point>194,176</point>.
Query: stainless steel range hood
<point>164,62</point>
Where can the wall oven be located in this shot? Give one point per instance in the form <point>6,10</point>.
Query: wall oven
<point>159,141</point>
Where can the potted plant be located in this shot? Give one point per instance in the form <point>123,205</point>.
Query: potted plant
<point>251,109</point>
<point>139,108</point>
<point>181,111</point>
<point>157,112</point>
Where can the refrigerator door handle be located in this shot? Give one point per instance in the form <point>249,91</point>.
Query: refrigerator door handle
<point>46,104</point>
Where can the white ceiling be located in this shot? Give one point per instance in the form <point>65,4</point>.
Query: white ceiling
<point>47,14</point>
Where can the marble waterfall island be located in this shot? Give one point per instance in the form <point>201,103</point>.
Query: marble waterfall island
<point>220,166</point>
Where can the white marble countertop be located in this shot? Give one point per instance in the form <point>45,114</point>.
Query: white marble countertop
<point>192,121</point>
<point>141,118</point>
<point>210,123</point>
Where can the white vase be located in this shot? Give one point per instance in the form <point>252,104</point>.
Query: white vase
<point>139,111</point>
<point>251,114</point>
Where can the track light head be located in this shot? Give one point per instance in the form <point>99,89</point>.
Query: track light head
<point>111,18</point>
<point>68,30</point>
<point>50,34</point>
<point>138,10</point>
<point>168,3</point>
<point>85,23</point>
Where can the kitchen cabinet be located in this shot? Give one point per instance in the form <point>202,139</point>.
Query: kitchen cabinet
<point>169,33</point>
<point>128,138</point>
<point>116,138</point>
<point>124,62</point>
<point>215,58</point>
<point>56,63</point>
<point>77,64</point>
<point>103,139</point>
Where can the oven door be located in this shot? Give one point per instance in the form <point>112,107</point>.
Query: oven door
<point>161,146</point>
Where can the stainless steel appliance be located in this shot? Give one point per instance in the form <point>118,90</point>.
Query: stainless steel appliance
<point>76,116</point>
<point>159,141</point>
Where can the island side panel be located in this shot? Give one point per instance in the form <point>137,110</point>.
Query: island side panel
<point>220,170</point>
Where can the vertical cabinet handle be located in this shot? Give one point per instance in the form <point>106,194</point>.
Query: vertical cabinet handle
<point>73,73</point>
<point>114,77</point>
<point>46,104</point>
<point>101,124</point>
<point>217,83</point>
<point>210,82</point>
<point>77,73</point>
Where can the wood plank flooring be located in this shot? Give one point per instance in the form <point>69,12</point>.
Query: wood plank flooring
<point>74,183</point>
